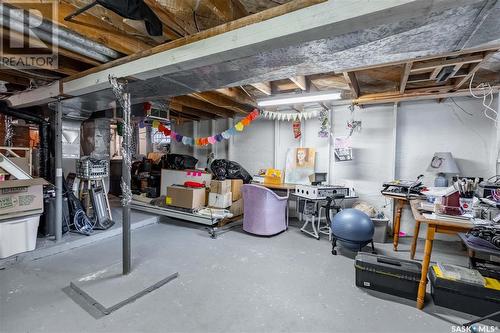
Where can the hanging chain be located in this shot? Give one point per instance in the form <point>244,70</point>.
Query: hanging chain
<point>9,131</point>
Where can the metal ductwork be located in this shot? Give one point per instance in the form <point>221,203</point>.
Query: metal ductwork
<point>12,18</point>
<point>44,133</point>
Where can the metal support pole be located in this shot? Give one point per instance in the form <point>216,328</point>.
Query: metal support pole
<point>213,148</point>
<point>230,142</point>
<point>126,184</point>
<point>195,135</point>
<point>59,172</point>
<point>124,100</point>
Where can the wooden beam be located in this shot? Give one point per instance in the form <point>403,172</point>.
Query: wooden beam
<point>191,111</point>
<point>329,81</point>
<point>300,81</point>
<point>404,76</point>
<point>182,116</point>
<point>485,48</point>
<point>455,70</point>
<point>222,101</point>
<point>473,70</point>
<point>11,78</point>
<point>424,66</point>
<point>202,105</point>
<point>391,97</point>
<point>352,81</point>
<point>263,87</point>
<point>227,10</point>
<point>174,27</point>
<point>237,94</point>
<point>230,26</point>
<point>435,72</point>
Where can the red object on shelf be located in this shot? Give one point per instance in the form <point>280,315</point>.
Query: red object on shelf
<point>194,184</point>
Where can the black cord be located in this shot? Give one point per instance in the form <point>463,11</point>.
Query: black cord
<point>461,108</point>
<point>195,22</point>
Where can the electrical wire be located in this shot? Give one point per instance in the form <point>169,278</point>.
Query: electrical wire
<point>461,108</point>
<point>486,94</point>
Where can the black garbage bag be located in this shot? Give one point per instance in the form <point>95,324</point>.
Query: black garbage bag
<point>135,10</point>
<point>224,169</point>
<point>219,169</point>
<point>180,162</point>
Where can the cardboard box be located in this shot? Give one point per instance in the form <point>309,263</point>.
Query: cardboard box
<point>236,185</point>
<point>219,200</point>
<point>185,197</point>
<point>237,207</point>
<point>21,197</point>
<point>220,186</point>
<point>179,177</point>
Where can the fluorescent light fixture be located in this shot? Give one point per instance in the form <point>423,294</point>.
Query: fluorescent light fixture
<point>299,99</point>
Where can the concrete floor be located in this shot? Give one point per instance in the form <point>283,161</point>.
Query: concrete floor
<point>234,283</point>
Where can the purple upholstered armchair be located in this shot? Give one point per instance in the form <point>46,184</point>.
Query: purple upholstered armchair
<point>265,212</point>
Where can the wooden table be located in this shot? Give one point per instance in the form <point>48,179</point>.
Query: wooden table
<point>399,203</point>
<point>433,227</point>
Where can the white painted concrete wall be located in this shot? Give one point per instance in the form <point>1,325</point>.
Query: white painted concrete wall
<point>427,127</point>
<point>422,129</point>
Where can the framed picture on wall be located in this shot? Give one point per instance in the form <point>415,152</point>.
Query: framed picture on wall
<point>299,165</point>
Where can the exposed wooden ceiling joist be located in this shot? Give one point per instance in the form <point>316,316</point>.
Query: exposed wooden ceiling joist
<point>329,81</point>
<point>227,10</point>
<point>263,87</point>
<point>300,81</point>
<point>222,101</point>
<point>230,26</point>
<point>190,111</point>
<point>174,27</point>
<point>202,105</point>
<point>350,78</point>
<point>238,95</point>
<point>426,66</point>
<point>391,97</point>
<point>404,76</point>
<point>93,28</point>
<point>8,77</point>
<point>473,70</point>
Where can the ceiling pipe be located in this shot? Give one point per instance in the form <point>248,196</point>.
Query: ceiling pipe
<point>66,38</point>
<point>46,37</point>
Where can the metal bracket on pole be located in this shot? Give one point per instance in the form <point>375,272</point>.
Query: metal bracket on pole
<point>123,99</point>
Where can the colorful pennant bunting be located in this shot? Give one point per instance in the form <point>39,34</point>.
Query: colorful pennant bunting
<point>240,126</point>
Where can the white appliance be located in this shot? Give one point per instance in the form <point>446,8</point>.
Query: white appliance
<point>320,191</point>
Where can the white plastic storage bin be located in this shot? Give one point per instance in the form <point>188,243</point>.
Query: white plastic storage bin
<point>381,226</point>
<point>18,235</point>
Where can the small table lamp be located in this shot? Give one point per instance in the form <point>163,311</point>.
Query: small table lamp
<point>442,164</point>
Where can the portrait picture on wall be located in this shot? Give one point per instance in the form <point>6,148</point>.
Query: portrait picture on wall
<point>299,165</point>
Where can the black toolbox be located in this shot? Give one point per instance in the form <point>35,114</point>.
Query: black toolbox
<point>388,275</point>
<point>464,297</point>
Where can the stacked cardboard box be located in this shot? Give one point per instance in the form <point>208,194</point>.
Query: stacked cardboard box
<point>184,197</point>
<point>220,195</point>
